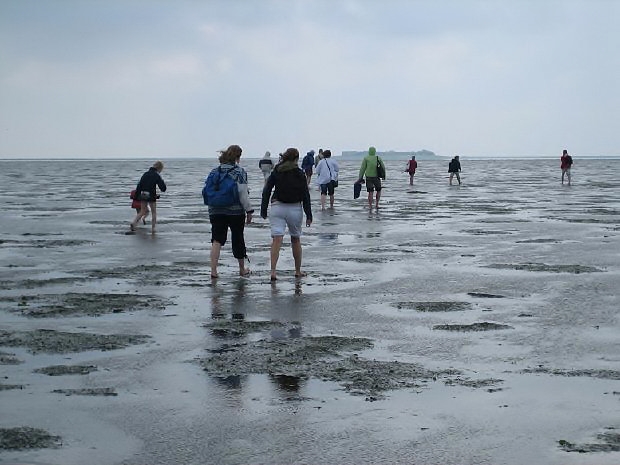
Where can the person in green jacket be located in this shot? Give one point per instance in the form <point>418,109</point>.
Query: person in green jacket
<point>371,165</point>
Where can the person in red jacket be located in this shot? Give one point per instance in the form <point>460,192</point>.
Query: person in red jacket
<point>412,165</point>
<point>566,161</point>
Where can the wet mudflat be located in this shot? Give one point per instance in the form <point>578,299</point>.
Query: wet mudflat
<point>472,324</point>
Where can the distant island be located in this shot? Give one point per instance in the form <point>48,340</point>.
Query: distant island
<point>392,155</point>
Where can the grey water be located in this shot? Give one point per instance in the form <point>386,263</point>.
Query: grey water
<point>511,245</point>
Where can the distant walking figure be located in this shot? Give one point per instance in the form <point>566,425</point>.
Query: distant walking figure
<point>412,165</point>
<point>371,168</point>
<point>307,164</point>
<point>146,192</point>
<point>454,167</point>
<point>266,165</point>
<point>327,178</point>
<point>290,200</point>
<point>566,162</point>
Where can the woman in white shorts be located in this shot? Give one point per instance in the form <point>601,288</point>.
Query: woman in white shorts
<point>290,200</point>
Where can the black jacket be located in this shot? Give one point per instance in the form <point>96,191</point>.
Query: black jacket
<point>149,181</point>
<point>290,185</point>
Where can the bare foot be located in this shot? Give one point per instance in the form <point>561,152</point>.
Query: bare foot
<point>245,272</point>
<point>273,277</point>
<point>214,275</point>
<point>300,274</point>
<point>132,227</point>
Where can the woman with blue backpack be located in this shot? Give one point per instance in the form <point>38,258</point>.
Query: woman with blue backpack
<point>227,195</point>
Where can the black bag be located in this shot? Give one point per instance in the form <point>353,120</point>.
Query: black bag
<point>380,169</point>
<point>333,181</point>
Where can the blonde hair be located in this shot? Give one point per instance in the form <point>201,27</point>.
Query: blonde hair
<point>158,165</point>
<point>230,155</point>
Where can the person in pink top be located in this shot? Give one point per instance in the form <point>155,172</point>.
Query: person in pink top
<point>566,161</point>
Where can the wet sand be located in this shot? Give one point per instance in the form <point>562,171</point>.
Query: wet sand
<point>473,324</point>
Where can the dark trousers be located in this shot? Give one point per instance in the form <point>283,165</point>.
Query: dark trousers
<point>219,230</point>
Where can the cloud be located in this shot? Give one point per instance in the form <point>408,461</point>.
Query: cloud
<point>188,78</point>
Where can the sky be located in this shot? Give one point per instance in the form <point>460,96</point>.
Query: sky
<point>186,78</point>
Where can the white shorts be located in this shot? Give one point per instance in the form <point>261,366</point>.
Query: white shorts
<point>286,214</point>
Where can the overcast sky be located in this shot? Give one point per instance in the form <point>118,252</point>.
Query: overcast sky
<point>160,79</point>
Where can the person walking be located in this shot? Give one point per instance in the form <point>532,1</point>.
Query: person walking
<point>327,178</point>
<point>146,193</point>
<point>307,164</point>
<point>230,210</point>
<point>412,165</point>
<point>454,167</point>
<point>266,165</point>
<point>373,169</point>
<point>566,162</point>
<point>290,200</point>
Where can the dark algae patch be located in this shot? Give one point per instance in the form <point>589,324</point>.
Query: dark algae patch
<point>9,359</point>
<point>484,295</point>
<point>483,326</point>
<point>59,342</point>
<point>27,438</point>
<point>608,441</point>
<point>59,370</point>
<point>327,358</point>
<point>542,267</point>
<point>87,392</point>
<point>589,373</point>
<point>8,387</point>
<point>434,306</point>
<point>87,304</point>
<point>239,328</point>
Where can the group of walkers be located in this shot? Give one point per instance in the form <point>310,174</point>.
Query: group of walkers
<point>226,193</point>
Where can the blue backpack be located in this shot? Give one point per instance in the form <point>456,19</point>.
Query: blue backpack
<point>220,189</point>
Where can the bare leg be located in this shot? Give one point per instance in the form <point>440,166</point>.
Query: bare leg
<point>140,214</point>
<point>296,247</point>
<point>323,201</point>
<point>378,197</point>
<point>275,254</point>
<point>568,175</point>
<point>451,176</point>
<point>153,215</point>
<point>215,257</point>
<point>331,201</point>
<point>411,179</point>
<point>370,200</point>
<point>243,271</point>
<point>458,178</point>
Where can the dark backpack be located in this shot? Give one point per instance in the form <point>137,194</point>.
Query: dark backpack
<point>290,186</point>
<point>380,169</point>
<point>220,189</point>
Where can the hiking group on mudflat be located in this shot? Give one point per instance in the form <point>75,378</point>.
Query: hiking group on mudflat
<point>226,193</point>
